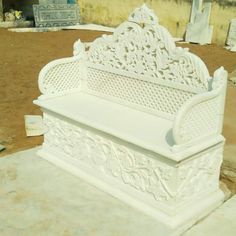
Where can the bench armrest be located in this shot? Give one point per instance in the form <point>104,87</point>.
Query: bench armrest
<point>202,115</point>
<point>63,75</point>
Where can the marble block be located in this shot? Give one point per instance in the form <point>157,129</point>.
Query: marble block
<point>231,40</point>
<point>56,15</point>
<point>199,30</point>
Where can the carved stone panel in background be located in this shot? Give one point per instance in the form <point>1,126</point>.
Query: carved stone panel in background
<point>163,160</point>
<point>56,15</point>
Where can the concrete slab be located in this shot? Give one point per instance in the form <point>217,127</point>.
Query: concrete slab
<point>220,222</point>
<point>37,198</point>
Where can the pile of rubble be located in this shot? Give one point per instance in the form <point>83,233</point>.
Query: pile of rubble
<point>13,15</point>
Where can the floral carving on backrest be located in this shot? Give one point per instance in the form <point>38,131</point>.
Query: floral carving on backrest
<point>145,49</point>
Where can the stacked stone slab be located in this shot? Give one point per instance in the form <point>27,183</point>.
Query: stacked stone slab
<point>55,13</point>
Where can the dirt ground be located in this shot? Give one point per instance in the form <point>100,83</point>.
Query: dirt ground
<point>22,55</point>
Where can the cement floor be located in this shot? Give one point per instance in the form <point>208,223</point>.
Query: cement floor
<point>39,199</point>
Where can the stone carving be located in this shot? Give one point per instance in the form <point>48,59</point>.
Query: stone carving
<point>199,30</point>
<point>110,158</point>
<point>143,15</point>
<point>55,13</point>
<point>231,40</point>
<point>141,172</point>
<point>163,164</point>
<point>147,49</point>
<point>130,91</point>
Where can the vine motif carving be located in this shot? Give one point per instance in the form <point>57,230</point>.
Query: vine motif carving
<point>141,172</point>
<point>143,47</point>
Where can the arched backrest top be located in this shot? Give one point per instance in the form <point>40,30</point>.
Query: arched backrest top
<point>142,48</point>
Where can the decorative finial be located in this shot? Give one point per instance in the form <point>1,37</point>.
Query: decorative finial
<point>143,16</point>
<point>220,76</point>
<point>79,48</point>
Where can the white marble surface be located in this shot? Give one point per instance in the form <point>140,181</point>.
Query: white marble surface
<point>37,198</point>
<point>199,30</point>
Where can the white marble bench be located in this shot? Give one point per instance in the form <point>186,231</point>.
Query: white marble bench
<point>139,118</point>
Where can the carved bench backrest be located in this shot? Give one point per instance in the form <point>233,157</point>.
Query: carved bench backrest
<point>140,66</point>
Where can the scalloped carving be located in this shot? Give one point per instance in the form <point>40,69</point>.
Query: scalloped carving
<point>143,15</point>
<point>144,48</point>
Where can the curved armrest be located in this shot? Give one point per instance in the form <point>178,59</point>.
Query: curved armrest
<point>202,115</point>
<point>63,75</point>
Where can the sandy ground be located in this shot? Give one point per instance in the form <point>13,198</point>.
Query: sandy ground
<point>22,55</point>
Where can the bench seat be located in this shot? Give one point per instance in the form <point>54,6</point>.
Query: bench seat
<point>134,126</point>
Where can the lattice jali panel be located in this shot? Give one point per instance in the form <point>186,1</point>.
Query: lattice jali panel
<point>61,77</point>
<point>129,91</point>
<point>202,119</point>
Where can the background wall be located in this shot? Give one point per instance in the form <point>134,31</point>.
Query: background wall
<point>173,14</point>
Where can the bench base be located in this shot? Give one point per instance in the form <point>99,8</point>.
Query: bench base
<point>177,194</point>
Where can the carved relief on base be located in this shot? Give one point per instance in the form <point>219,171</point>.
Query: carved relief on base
<point>160,181</point>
